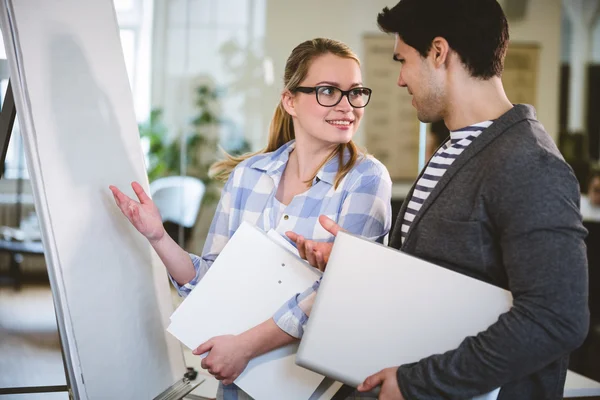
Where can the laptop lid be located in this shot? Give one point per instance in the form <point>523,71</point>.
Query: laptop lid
<point>379,307</point>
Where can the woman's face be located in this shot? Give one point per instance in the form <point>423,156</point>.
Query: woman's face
<point>327,125</point>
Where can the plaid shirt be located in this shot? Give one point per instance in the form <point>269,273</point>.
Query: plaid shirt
<point>360,205</point>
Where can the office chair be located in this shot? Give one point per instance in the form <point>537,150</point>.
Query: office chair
<point>178,199</point>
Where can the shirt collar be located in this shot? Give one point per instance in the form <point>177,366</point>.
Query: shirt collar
<point>273,164</point>
<point>462,133</point>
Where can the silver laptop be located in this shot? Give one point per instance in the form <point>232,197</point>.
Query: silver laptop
<point>378,307</point>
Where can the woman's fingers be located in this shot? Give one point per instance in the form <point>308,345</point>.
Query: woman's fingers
<point>136,219</point>
<point>300,243</point>
<point>123,201</point>
<point>140,193</point>
<point>320,260</point>
<point>310,253</point>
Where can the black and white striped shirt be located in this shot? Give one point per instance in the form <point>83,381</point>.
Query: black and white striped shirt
<point>437,166</point>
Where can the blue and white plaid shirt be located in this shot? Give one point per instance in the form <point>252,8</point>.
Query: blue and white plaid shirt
<point>360,205</point>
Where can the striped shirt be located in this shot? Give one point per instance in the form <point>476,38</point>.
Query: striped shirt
<point>361,204</point>
<point>437,166</point>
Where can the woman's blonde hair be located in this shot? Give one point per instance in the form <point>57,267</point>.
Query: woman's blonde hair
<point>281,129</point>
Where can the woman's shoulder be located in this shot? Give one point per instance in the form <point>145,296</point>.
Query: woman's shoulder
<point>368,165</point>
<point>252,160</point>
<point>251,169</point>
<point>367,172</point>
<point>265,160</point>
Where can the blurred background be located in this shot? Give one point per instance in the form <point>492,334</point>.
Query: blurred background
<point>208,73</point>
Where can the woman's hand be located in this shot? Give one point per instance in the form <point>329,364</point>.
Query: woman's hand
<point>144,216</point>
<point>316,253</point>
<point>227,358</point>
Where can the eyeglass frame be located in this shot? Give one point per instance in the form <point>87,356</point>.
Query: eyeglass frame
<point>307,90</point>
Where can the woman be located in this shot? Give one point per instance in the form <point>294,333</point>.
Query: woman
<point>309,168</point>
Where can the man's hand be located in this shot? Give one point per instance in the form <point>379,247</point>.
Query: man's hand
<point>387,379</point>
<point>316,253</point>
<point>227,358</point>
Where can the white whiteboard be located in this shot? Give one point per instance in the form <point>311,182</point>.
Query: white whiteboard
<point>77,118</point>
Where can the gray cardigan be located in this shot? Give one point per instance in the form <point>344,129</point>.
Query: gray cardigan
<point>506,212</point>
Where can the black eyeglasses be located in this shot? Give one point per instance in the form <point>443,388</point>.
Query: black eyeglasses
<point>329,96</point>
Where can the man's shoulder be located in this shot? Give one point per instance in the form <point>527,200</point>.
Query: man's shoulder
<point>525,155</point>
<point>524,143</point>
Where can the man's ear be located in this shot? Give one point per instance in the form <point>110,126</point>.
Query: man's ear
<point>288,102</point>
<point>439,52</point>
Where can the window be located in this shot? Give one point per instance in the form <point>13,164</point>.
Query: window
<point>124,5</point>
<point>15,158</point>
<point>128,44</point>
<point>135,34</point>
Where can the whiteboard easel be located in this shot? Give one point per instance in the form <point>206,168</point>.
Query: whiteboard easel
<point>74,104</point>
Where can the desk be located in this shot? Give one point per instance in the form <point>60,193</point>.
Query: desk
<point>588,211</point>
<point>586,359</point>
<point>577,386</point>
<point>16,251</point>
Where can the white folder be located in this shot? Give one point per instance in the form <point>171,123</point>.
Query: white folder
<point>249,281</point>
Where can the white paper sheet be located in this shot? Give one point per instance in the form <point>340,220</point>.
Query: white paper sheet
<point>277,238</point>
<point>252,277</point>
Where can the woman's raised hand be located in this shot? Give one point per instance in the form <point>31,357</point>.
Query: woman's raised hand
<point>144,216</point>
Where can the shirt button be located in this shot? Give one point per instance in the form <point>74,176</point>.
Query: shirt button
<point>286,217</point>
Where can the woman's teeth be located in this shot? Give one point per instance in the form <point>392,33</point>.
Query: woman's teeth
<point>337,122</point>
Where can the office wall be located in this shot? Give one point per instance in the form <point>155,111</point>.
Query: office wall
<point>596,43</point>
<point>566,38</point>
<point>243,45</point>
<point>289,23</point>
<point>209,42</point>
<point>541,24</point>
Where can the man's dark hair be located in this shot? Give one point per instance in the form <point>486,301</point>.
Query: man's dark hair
<point>476,30</point>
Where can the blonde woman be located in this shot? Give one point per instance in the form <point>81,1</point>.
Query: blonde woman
<point>310,167</point>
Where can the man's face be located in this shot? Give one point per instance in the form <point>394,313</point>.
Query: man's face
<point>594,191</point>
<point>423,82</point>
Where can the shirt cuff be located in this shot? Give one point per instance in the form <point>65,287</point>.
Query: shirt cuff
<point>291,319</point>
<point>292,316</point>
<point>186,289</point>
<point>408,391</point>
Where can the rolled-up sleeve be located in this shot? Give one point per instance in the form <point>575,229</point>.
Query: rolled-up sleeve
<point>366,211</point>
<point>218,236</point>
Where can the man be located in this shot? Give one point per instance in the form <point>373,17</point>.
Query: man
<point>496,202</point>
